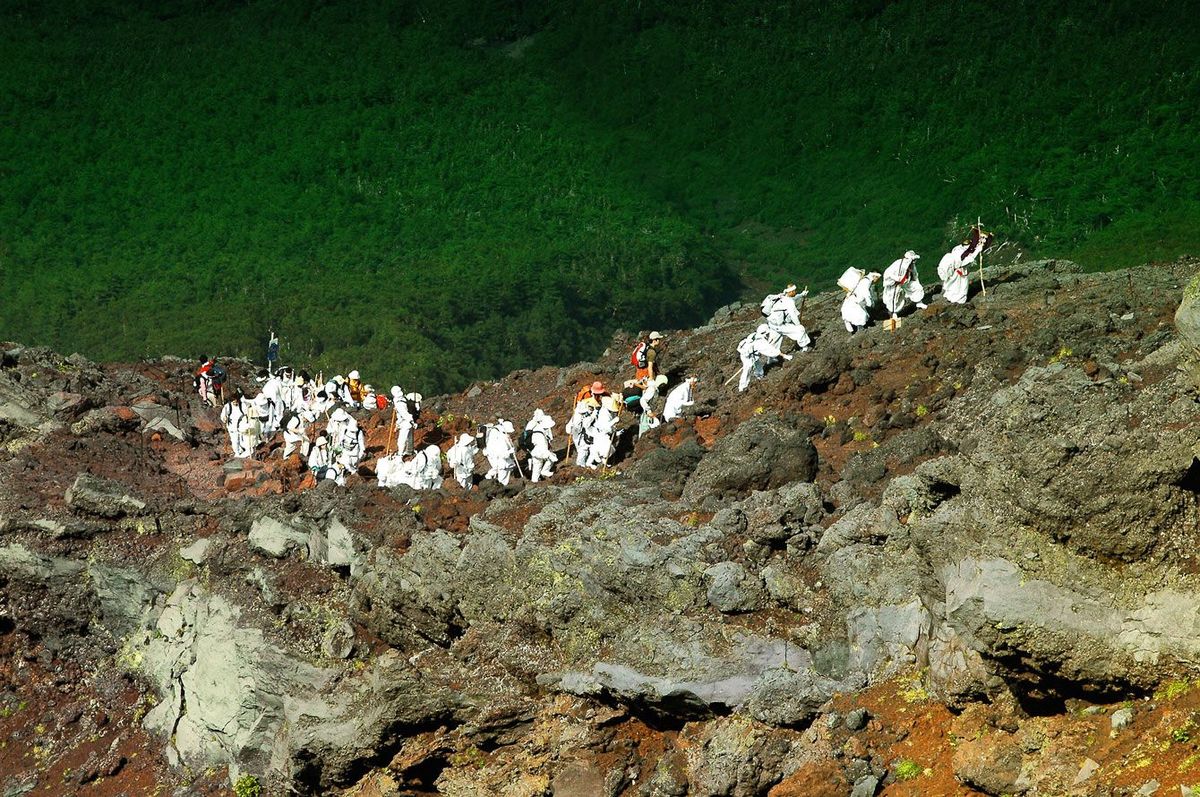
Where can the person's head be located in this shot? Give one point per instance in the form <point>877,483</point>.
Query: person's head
<point>397,393</point>
<point>203,359</point>
<point>691,380</point>
<point>598,388</point>
<point>610,403</point>
<point>763,329</point>
<point>655,337</point>
<point>911,255</point>
<point>505,427</point>
<point>790,290</point>
<point>874,276</point>
<point>660,380</point>
<point>465,439</point>
<point>322,441</point>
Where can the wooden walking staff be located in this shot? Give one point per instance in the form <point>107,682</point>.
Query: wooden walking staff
<point>387,452</point>
<point>979,232</point>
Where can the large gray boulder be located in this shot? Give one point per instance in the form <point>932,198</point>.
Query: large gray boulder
<point>1055,453</point>
<point>229,696</point>
<point>102,497</point>
<point>764,452</point>
<point>1187,316</point>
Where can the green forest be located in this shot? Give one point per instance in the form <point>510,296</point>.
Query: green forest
<point>439,192</point>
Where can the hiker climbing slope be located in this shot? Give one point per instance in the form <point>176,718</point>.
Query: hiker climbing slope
<point>461,457</point>
<point>860,297</point>
<point>954,267</point>
<point>756,350</point>
<point>783,317</point>
<point>539,432</point>
<point>681,397</point>
<point>500,451</point>
<point>901,284</point>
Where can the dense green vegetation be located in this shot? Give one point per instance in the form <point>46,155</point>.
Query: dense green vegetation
<point>440,192</point>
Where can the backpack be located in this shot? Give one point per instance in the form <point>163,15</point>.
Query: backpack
<point>526,440</point>
<point>218,374</point>
<point>638,358</point>
<point>768,304</point>
<point>632,398</point>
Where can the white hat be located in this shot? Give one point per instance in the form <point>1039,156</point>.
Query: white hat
<point>791,288</point>
<point>354,374</point>
<point>610,403</point>
<point>655,336</point>
<point>464,438</point>
<point>339,415</point>
<point>321,441</point>
<point>397,392</point>
<point>911,255</point>
<point>763,328</point>
<point>505,427</point>
<point>339,379</point>
<point>660,380</point>
<point>414,397</point>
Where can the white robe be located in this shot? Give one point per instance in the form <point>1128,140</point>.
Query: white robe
<point>501,455</point>
<point>389,471</point>
<point>428,475</point>
<point>602,431</point>
<point>405,423</point>
<point>578,426</point>
<point>232,415</point>
<point>541,458</point>
<point>755,352</point>
<point>318,458</point>
<point>677,399</point>
<point>351,447</point>
<point>856,307</point>
<point>462,460</point>
<point>901,285</point>
<point>295,437</point>
<point>784,320</point>
<point>955,273</point>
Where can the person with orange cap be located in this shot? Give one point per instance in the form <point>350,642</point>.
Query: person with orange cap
<point>595,390</point>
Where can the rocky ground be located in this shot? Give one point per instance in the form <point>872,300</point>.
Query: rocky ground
<point>960,558</point>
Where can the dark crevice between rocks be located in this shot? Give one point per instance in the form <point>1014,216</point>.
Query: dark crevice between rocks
<point>1045,693</point>
<point>424,774</point>
<point>1190,480</point>
<point>944,491</point>
<point>309,776</point>
<point>668,713</point>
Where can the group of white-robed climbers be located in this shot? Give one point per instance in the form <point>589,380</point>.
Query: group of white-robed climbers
<point>900,286</point>
<point>289,402</point>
